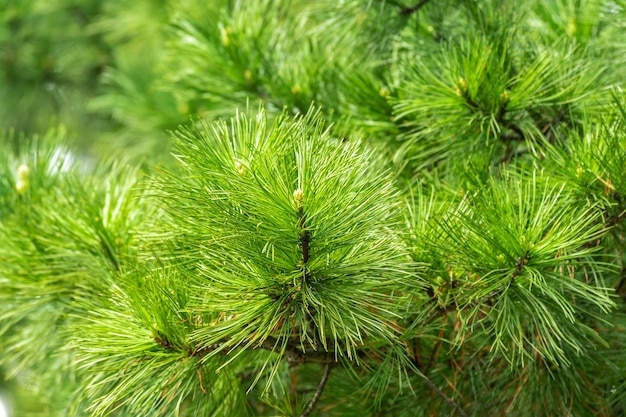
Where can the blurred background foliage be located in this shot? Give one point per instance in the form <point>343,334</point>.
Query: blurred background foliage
<point>117,75</point>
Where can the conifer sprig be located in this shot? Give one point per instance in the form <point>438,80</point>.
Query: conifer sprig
<point>291,237</point>
<point>526,246</point>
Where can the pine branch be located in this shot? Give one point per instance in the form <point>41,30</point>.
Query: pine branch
<point>303,233</point>
<point>520,263</point>
<point>318,393</point>
<point>549,129</point>
<point>444,397</point>
<point>305,238</point>
<point>293,352</point>
<point>410,10</point>
<point>166,305</point>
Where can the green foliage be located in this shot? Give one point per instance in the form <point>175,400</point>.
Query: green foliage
<point>48,66</point>
<point>362,208</point>
<point>294,227</point>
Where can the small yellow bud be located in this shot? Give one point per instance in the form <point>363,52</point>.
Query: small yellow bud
<point>500,258</point>
<point>22,172</point>
<point>21,183</point>
<point>21,186</point>
<point>247,75</point>
<point>298,197</point>
<point>430,29</point>
<point>571,28</point>
<point>504,96</point>
<point>296,89</point>
<point>241,169</point>
<point>384,92</point>
<point>224,34</point>
<point>579,171</point>
<point>461,87</point>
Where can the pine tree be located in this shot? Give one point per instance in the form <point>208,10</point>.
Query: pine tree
<point>323,208</point>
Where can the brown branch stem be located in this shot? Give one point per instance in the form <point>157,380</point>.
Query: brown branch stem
<point>407,11</point>
<point>318,392</point>
<point>293,352</point>
<point>304,235</point>
<point>444,397</point>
